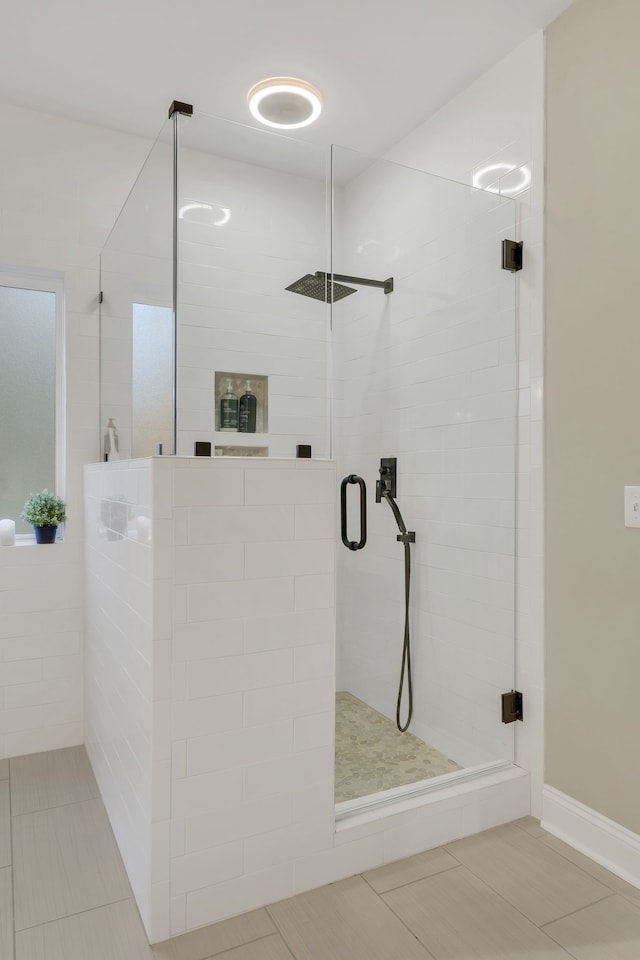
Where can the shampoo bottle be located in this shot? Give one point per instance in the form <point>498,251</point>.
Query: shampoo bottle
<point>111,444</point>
<point>229,409</point>
<point>248,407</point>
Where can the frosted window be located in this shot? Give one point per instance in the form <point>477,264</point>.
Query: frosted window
<point>27,397</point>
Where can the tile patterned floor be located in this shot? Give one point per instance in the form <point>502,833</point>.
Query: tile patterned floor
<point>512,893</point>
<point>372,755</point>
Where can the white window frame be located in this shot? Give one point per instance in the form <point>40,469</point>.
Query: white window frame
<point>48,281</point>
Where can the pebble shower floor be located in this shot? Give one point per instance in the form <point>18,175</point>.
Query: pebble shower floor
<point>372,755</point>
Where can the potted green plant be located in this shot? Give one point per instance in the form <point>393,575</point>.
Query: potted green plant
<point>45,511</point>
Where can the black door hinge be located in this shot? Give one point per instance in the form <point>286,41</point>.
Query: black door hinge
<point>512,706</point>
<point>512,255</point>
<point>101,297</point>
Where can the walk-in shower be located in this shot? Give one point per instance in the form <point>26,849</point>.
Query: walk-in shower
<point>196,281</point>
<point>262,668</point>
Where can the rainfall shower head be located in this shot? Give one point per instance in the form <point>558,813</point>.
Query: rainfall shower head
<point>318,287</point>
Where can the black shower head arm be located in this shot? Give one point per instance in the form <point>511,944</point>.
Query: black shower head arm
<point>386,285</point>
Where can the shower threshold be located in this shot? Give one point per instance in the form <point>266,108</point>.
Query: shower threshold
<point>454,782</point>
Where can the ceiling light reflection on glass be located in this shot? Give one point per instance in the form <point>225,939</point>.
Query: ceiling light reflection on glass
<point>212,214</point>
<point>285,102</point>
<point>388,253</point>
<point>490,179</point>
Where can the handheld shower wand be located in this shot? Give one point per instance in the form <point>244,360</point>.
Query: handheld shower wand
<point>386,489</point>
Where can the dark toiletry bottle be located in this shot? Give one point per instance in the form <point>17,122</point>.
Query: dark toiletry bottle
<point>248,407</point>
<point>229,409</point>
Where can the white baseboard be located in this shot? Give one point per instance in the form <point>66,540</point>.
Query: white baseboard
<point>586,830</point>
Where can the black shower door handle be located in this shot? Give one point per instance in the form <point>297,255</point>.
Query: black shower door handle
<point>353,544</point>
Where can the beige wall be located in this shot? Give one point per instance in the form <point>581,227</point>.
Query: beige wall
<point>592,418</point>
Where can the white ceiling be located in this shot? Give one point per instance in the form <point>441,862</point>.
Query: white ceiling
<point>383,66</point>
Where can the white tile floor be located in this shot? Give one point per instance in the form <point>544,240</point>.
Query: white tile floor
<point>513,893</point>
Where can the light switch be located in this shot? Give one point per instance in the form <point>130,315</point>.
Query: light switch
<point>632,506</point>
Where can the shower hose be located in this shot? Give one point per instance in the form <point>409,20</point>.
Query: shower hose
<point>406,538</point>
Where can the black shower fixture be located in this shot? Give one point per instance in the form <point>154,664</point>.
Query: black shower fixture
<point>317,287</point>
<point>386,490</point>
<point>322,286</point>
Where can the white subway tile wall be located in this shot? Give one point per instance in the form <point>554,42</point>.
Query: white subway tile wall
<point>187,782</point>
<point>125,670</point>
<point>235,715</point>
<point>235,314</point>
<point>40,644</point>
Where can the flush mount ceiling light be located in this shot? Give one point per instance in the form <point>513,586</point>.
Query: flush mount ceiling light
<point>285,102</point>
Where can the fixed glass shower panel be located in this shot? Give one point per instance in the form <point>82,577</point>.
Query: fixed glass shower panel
<point>425,375</point>
<point>252,371</point>
<point>136,313</point>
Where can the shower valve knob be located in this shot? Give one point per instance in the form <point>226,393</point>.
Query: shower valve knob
<point>388,471</point>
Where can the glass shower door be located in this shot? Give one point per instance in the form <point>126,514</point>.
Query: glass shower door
<point>425,375</point>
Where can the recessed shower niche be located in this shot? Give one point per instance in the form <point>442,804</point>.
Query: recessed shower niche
<point>241,423</point>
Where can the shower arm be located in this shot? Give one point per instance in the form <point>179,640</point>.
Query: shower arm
<point>386,285</point>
